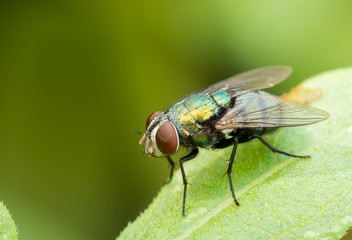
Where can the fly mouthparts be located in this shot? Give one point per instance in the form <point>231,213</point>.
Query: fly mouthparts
<point>141,142</point>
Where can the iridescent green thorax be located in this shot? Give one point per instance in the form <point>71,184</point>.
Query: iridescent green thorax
<point>191,114</point>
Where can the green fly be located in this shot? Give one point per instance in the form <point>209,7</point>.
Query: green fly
<point>225,114</point>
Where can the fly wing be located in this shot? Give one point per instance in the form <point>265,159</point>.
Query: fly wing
<point>256,79</point>
<point>257,109</point>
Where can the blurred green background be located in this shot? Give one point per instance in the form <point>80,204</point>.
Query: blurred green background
<point>77,77</point>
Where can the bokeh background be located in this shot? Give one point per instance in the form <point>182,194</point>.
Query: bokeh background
<point>77,77</point>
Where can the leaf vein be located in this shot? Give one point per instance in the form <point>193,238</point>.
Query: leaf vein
<point>262,178</point>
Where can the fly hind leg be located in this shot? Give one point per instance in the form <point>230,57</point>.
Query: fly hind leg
<point>274,149</point>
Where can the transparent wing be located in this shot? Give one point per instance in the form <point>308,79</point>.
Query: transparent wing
<point>256,109</point>
<point>256,79</point>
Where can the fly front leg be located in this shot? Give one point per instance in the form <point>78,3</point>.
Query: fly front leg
<point>190,156</point>
<point>274,149</point>
<point>229,169</point>
<point>172,164</point>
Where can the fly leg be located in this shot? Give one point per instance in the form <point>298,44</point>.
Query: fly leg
<point>223,143</point>
<point>172,164</point>
<point>274,149</point>
<point>229,169</point>
<point>186,158</point>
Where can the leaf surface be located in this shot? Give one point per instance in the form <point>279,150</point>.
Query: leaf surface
<point>7,226</point>
<point>281,197</point>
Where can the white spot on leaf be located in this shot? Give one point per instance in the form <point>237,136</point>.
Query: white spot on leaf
<point>347,219</point>
<point>311,234</point>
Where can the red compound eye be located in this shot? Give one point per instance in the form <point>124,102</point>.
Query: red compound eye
<point>151,117</point>
<point>166,138</point>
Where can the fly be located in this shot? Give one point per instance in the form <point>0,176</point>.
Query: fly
<point>225,114</point>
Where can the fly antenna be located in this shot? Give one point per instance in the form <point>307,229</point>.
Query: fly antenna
<point>136,132</point>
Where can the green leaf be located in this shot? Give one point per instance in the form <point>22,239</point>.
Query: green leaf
<point>7,225</point>
<point>281,197</point>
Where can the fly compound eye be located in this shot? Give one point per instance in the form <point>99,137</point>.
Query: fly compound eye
<point>166,138</point>
<point>151,118</point>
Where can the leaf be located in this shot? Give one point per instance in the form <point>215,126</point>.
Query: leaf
<point>281,197</point>
<point>7,225</point>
